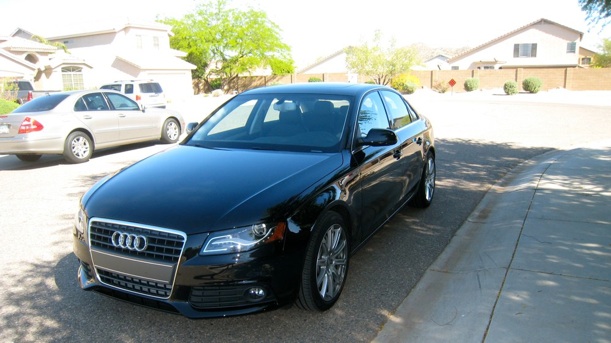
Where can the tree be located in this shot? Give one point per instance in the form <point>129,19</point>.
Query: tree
<point>43,40</point>
<point>378,62</point>
<point>597,10</point>
<point>603,60</point>
<point>226,42</point>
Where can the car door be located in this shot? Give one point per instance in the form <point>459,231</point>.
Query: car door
<point>410,152</point>
<point>134,123</point>
<point>380,175</point>
<point>93,110</point>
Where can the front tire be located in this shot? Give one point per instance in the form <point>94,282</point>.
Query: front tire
<point>170,132</point>
<point>78,148</point>
<point>426,187</point>
<point>326,264</point>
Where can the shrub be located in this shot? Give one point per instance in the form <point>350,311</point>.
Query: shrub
<point>7,106</point>
<point>532,84</point>
<point>471,84</point>
<point>8,90</point>
<point>510,87</point>
<point>405,83</point>
<point>440,86</point>
<point>216,84</point>
<point>315,79</point>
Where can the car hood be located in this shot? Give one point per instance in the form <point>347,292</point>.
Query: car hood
<point>196,190</point>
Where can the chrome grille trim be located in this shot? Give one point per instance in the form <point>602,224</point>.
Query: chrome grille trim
<point>165,248</point>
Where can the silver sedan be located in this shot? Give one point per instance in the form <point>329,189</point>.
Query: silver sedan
<point>76,123</point>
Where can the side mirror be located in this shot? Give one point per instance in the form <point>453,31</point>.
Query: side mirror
<point>378,137</point>
<point>191,127</point>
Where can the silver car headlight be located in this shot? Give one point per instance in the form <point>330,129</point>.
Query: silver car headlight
<point>242,238</point>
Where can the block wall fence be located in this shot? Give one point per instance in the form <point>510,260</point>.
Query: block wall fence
<point>568,78</point>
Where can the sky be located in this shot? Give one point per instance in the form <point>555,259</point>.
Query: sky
<point>315,29</point>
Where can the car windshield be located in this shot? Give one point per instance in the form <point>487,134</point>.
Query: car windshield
<point>285,122</point>
<point>42,103</point>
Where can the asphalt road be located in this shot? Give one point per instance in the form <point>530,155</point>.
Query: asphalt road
<point>479,137</point>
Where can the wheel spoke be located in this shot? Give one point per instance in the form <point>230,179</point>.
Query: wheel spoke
<point>331,262</point>
<point>430,179</point>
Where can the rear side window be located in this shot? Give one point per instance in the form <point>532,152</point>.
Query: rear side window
<point>115,87</point>
<point>129,88</point>
<point>150,87</point>
<point>397,109</point>
<point>43,103</point>
<point>95,102</point>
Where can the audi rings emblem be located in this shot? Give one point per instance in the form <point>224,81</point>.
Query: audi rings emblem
<point>129,241</point>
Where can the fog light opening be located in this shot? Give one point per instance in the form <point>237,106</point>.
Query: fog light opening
<point>255,294</point>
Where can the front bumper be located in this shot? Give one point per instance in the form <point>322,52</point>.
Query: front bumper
<point>196,286</point>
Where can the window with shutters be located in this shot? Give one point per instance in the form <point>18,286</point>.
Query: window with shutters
<point>525,50</point>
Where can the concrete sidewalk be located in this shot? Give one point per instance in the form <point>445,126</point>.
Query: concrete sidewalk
<point>531,264</point>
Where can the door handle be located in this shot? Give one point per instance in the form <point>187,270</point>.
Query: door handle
<point>397,154</point>
<point>122,115</point>
<point>86,116</point>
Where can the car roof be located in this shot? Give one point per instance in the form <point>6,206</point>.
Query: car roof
<point>318,87</point>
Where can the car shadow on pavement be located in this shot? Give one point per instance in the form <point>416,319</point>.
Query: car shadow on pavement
<point>10,162</point>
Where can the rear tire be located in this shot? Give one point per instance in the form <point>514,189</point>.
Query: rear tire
<point>78,147</point>
<point>170,132</point>
<point>426,187</point>
<point>28,157</point>
<point>326,264</point>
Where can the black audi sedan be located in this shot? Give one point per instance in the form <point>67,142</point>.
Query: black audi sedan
<point>261,205</point>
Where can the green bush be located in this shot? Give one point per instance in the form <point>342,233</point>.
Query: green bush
<point>510,87</point>
<point>7,106</point>
<point>532,84</point>
<point>216,84</point>
<point>440,86</point>
<point>471,84</point>
<point>405,83</point>
<point>315,79</point>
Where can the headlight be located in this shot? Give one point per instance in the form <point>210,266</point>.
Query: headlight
<point>242,238</point>
<point>80,221</point>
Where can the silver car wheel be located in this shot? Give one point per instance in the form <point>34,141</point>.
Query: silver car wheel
<point>429,181</point>
<point>172,130</point>
<point>331,262</point>
<point>80,147</point>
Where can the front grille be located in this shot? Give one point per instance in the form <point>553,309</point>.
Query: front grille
<point>162,246</point>
<point>149,272</point>
<point>217,297</point>
<point>157,289</point>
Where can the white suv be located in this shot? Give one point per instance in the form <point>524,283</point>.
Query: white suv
<point>148,93</point>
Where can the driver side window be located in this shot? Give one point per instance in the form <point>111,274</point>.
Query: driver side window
<point>372,114</point>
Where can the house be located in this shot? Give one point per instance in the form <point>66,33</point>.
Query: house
<point>540,44</point>
<point>96,54</point>
<point>438,62</point>
<point>332,64</point>
<point>20,58</point>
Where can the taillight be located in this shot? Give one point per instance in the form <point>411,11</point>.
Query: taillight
<point>30,125</point>
<point>30,95</point>
<point>138,97</point>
